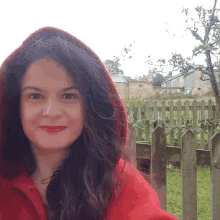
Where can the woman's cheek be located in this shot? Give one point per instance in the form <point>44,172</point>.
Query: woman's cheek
<point>76,112</point>
<point>29,117</point>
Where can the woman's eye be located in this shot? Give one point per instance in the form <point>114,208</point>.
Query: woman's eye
<point>39,96</point>
<point>34,95</point>
<point>69,96</point>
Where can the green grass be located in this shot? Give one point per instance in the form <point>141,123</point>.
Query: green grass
<point>203,193</point>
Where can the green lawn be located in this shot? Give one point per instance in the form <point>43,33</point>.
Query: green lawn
<point>203,193</point>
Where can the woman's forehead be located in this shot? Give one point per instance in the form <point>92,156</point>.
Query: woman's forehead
<point>46,72</point>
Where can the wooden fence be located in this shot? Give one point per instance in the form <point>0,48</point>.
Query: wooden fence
<point>158,155</point>
<point>152,112</point>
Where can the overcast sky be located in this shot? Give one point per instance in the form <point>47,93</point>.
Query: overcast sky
<point>106,27</point>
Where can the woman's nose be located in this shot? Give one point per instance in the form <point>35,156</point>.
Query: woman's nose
<point>52,108</point>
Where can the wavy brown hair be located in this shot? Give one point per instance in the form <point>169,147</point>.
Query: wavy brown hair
<point>81,188</point>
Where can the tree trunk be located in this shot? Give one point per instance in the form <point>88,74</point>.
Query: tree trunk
<point>213,82</point>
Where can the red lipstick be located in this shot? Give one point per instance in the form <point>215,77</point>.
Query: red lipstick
<point>53,129</point>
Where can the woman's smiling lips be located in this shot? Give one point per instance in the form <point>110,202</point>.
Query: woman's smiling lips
<point>53,129</point>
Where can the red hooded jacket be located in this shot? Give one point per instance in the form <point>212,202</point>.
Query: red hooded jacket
<point>21,200</point>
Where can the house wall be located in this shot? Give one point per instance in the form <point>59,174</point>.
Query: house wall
<point>189,83</point>
<point>168,84</point>
<point>140,90</point>
<point>178,82</point>
<point>135,90</point>
<point>192,83</point>
<point>123,89</point>
<point>200,87</point>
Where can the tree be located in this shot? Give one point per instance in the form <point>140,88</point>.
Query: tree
<point>143,78</point>
<point>207,21</point>
<point>151,75</point>
<point>169,75</point>
<point>113,65</point>
<point>158,79</point>
<point>155,78</point>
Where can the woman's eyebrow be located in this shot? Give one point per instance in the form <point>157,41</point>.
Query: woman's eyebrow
<point>38,89</point>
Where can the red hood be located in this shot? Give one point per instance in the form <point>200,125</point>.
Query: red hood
<point>121,115</point>
<point>116,101</point>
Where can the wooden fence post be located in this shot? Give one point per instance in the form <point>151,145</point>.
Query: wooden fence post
<point>189,178</point>
<point>215,176</point>
<point>132,144</point>
<point>158,164</point>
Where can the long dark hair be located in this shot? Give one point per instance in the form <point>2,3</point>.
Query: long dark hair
<point>82,186</point>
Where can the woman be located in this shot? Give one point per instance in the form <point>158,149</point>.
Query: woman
<point>62,119</point>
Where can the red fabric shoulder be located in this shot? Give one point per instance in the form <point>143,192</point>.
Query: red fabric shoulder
<point>137,199</point>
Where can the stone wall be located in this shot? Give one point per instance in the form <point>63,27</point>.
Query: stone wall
<point>135,90</point>
<point>123,89</point>
<point>141,90</point>
<point>200,87</point>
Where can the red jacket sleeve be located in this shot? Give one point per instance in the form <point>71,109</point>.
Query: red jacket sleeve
<point>16,205</point>
<point>136,200</point>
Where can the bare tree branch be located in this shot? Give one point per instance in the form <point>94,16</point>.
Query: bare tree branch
<point>194,33</point>
<point>212,21</point>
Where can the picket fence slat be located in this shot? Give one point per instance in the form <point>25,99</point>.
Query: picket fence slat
<point>158,164</point>
<point>163,112</point>
<point>139,123</point>
<point>171,123</point>
<point>188,176</point>
<point>147,118</point>
<point>215,176</point>
<point>179,118</point>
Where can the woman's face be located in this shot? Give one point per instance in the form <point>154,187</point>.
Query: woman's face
<point>50,103</point>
